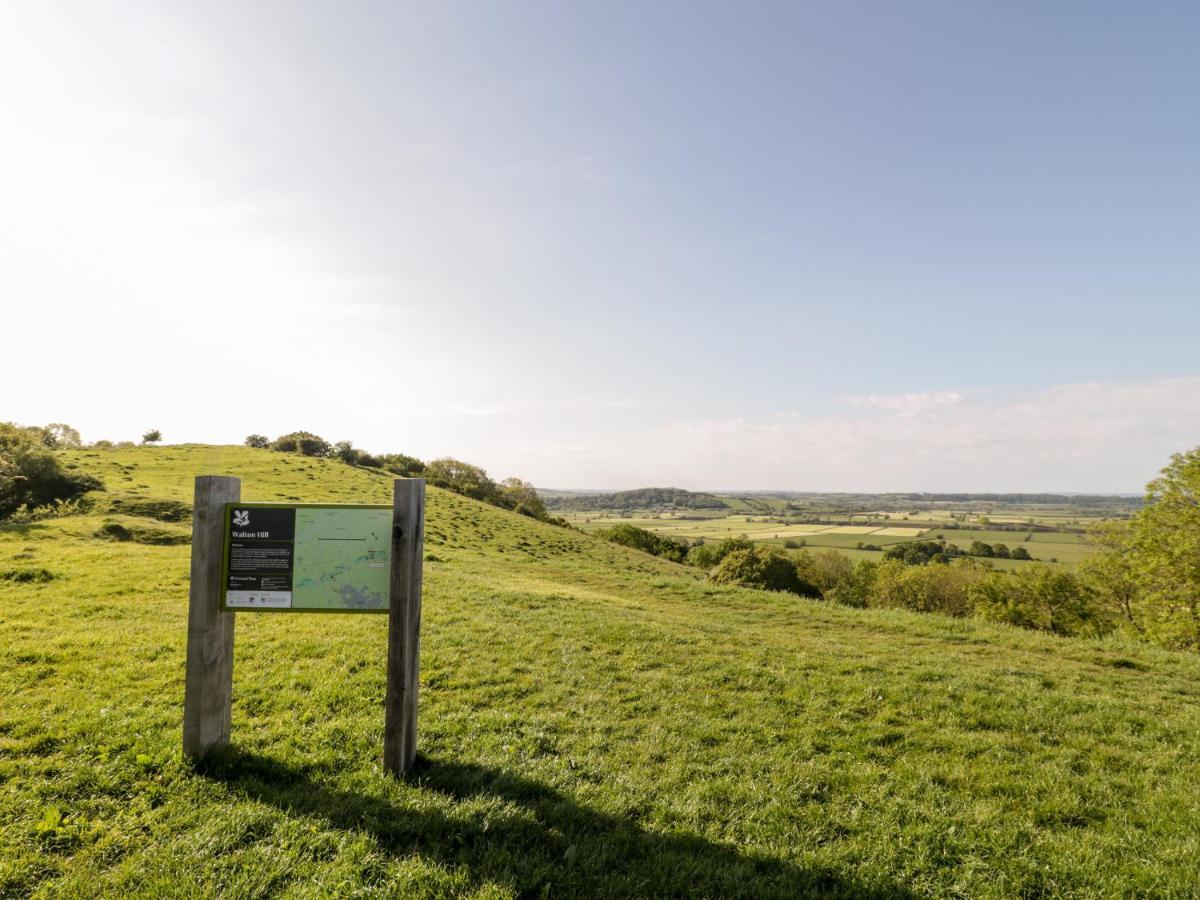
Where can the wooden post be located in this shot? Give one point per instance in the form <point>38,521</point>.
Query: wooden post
<point>404,626</point>
<point>208,690</point>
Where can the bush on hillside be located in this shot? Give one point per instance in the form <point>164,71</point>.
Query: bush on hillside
<point>705,556</point>
<point>763,567</point>
<point>1042,599</point>
<point>31,476</point>
<point>463,478</point>
<point>921,588</point>
<point>1159,555</point>
<point>523,498</point>
<point>351,455</point>
<point>303,442</point>
<point>259,441</point>
<point>60,436</point>
<point>857,588</point>
<point>646,541</point>
<point>401,464</point>
<point>826,569</point>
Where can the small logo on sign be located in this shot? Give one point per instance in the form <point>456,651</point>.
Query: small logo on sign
<point>241,517</point>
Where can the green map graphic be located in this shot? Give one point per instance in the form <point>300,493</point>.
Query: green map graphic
<point>341,558</point>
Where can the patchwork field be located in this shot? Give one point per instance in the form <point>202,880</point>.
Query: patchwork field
<point>1065,548</point>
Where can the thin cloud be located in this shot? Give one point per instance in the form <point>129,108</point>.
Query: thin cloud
<point>1092,436</point>
<point>905,403</point>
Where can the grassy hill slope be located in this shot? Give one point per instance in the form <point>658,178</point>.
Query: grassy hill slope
<point>593,721</point>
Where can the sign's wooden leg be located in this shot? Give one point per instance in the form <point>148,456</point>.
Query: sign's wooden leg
<point>208,690</point>
<point>404,626</point>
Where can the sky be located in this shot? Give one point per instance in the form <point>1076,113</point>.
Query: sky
<point>856,246</point>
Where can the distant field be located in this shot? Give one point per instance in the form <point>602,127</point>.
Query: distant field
<point>1066,548</point>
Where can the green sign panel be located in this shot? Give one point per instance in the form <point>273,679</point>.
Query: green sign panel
<point>306,557</point>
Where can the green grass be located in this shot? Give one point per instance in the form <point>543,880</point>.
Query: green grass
<point>594,721</point>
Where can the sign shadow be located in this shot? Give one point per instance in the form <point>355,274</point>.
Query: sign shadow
<point>538,839</point>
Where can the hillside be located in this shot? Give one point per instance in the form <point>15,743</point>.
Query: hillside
<point>640,498</point>
<point>594,721</point>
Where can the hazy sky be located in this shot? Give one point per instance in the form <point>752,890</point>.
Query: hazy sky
<point>817,246</point>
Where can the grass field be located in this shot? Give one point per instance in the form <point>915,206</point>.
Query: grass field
<point>594,722</point>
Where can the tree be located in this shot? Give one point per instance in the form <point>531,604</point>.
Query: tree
<point>1111,575</point>
<point>344,450</point>
<point>1041,598</point>
<point>30,475</point>
<point>1020,553</point>
<point>1164,544</point>
<point>641,539</point>
<point>60,436</point>
<point>523,497</point>
<point>463,478</point>
<point>402,465</point>
<point>705,556</point>
<point>826,570</point>
<point>763,567</point>
<point>260,441</point>
<point>941,589</point>
<point>153,436</point>
<point>856,589</point>
<point>917,553</point>
<point>303,442</point>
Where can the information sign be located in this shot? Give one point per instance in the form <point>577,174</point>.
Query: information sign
<point>306,557</point>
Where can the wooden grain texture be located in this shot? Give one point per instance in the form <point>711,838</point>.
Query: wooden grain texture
<point>208,690</point>
<point>404,626</point>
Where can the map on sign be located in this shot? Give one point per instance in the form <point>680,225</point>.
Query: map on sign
<point>342,558</point>
<point>307,558</point>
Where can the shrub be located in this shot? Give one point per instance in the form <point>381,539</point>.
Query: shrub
<point>523,497</point>
<point>352,456</point>
<point>60,436</point>
<point>825,570</point>
<point>303,442</point>
<point>402,465</point>
<point>463,478</point>
<point>30,475</point>
<point>941,589</point>
<point>1040,598</point>
<point>260,441</point>
<point>1020,553</point>
<point>856,588</point>
<point>153,436</point>
<point>763,567</point>
<point>706,556</point>
<point>646,541</point>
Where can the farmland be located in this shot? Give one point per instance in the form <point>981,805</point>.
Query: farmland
<point>1050,532</point>
<point>594,721</point>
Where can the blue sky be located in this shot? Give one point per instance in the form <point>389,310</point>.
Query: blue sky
<point>851,246</point>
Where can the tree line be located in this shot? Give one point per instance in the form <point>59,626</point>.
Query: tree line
<point>447,472</point>
<point>641,498</point>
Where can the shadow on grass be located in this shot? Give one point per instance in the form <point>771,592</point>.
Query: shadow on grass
<point>530,836</point>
